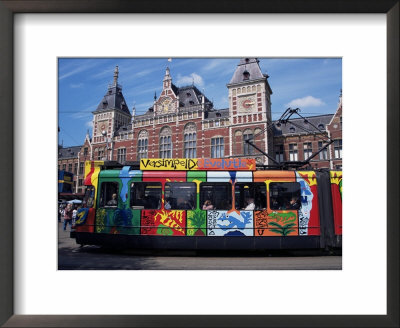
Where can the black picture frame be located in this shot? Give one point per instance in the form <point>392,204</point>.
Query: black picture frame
<point>7,11</point>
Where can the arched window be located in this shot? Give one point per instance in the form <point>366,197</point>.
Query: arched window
<point>247,149</point>
<point>189,138</point>
<point>166,142</point>
<point>143,140</point>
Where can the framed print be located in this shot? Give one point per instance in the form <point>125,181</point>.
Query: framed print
<point>29,281</point>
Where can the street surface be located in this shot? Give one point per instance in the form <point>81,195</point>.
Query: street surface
<point>72,257</point>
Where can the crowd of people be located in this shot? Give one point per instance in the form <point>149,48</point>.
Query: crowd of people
<point>67,214</point>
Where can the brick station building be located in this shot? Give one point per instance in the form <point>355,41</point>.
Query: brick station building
<point>183,123</point>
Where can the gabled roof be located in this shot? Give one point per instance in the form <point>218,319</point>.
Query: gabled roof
<point>249,65</point>
<point>216,113</point>
<point>301,127</point>
<point>113,100</point>
<point>69,152</point>
<point>124,129</point>
<point>190,96</point>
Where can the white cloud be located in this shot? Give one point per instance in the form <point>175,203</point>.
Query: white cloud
<point>75,86</point>
<point>308,101</point>
<point>197,79</point>
<point>89,124</point>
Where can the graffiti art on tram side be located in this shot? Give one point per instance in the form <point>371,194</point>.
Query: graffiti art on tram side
<point>229,223</point>
<point>261,223</point>
<point>309,223</point>
<point>283,223</point>
<point>101,216</point>
<point>196,223</point>
<point>155,222</point>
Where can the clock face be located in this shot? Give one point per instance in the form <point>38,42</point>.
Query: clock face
<point>165,105</point>
<point>102,126</point>
<point>247,103</point>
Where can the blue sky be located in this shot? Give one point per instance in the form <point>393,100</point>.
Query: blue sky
<point>311,84</point>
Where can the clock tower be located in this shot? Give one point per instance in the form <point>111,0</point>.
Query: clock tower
<point>168,102</point>
<point>111,113</point>
<point>250,110</point>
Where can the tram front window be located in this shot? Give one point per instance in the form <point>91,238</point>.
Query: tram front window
<point>109,194</point>
<point>88,199</point>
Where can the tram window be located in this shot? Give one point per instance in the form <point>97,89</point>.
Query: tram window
<point>180,195</point>
<point>146,195</point>
<point>88,199</point>
<point>248,193</point>
<point>216,195</point>
<point>284,195</point>
<point>109,194</point>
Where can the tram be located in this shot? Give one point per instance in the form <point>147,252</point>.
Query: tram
<point>209,204</point>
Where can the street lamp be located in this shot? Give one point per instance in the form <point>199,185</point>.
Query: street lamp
<point>104,133</point>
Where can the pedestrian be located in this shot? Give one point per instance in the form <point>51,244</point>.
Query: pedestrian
<point>68,216</point>
<point>74,215</point>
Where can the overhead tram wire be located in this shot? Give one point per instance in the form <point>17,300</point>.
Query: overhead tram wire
<point>63,130</point>
<point>284,119</point>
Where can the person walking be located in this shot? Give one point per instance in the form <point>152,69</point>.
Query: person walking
<point>68,216</point>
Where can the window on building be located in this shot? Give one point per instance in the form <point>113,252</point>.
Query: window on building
<point>85,151</point>
<point>341,122</point>
<point>293,156</point>
<point>143,144</point>
<point>64,167</point>
<point>165,143</point>
<point>81,168</point>
<point>215,196</point>
<point>75,168</point>
<point>189,141</point>
<point>121,155</point>
<point>250,196</point>
<point>70,167</point>
<point>146,195</point>
<point>109,194</point>
<point>80,182</point>
<point>279,153</point>
<point>321,126</point>
<point>292,129</point>
<point>217,147</point>
<point>100,154</point>
<point>337,146</point>
<point>180,195</point>
<point>323,155</point>
<point>284,195</point>
<point>247,149</point>
<point>307,150</point>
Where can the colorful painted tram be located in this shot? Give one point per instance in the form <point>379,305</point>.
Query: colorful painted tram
<point>209,204</point>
